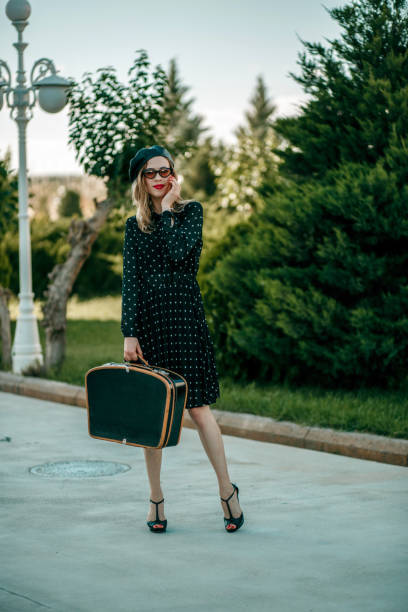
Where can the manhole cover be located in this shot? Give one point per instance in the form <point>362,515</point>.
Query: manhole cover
<point>79,469</point>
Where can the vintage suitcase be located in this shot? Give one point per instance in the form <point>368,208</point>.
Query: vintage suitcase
<point>135,403</point>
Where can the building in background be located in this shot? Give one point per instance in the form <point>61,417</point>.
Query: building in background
<point>46,193</point>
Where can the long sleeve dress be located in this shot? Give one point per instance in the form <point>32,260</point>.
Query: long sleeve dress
<point>162,303</point>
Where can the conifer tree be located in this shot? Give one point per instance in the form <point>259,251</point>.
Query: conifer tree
<point>179,124</point>
<point>317,289</point>
<point>357,92</point>
<point>251,161</point>
<point>198,175</point>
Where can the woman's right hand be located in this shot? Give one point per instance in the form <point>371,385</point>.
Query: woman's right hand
<point>132,349</point>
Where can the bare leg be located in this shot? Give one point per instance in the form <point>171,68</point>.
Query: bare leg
<point>153,458</point>
<point>211,438</point>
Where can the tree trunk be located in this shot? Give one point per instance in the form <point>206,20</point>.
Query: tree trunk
<point>82,234</point>
<point>5,295</point>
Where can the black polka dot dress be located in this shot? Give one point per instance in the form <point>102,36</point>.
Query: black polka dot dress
<point>161,299</point>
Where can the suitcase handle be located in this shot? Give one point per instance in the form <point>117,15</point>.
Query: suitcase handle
<point>135,360</point>
<point>152,368</point>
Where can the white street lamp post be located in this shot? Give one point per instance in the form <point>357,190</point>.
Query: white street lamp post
<point>51,91</point>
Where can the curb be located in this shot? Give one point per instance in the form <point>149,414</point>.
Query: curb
<point>264,429</point>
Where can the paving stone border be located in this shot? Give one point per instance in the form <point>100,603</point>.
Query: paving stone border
<point>264,429</point>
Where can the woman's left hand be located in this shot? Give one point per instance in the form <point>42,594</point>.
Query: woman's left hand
<point>172,195</point>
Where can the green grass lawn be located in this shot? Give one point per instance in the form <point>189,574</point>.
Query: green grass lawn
<point>94,337</point>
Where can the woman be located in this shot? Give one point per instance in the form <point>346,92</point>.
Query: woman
<point>163,317</point>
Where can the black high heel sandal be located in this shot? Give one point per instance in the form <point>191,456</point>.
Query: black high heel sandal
<point>238,522</point>
<point>152,524</point>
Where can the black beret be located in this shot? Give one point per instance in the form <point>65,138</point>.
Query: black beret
<point>143,155</point>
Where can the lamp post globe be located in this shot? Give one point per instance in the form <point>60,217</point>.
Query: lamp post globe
<point>52,96</point>
<point>18,10</point>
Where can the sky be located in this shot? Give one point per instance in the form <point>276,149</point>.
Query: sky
<point>220,47</point>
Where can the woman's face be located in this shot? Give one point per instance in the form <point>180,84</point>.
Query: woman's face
<point>157,186</point>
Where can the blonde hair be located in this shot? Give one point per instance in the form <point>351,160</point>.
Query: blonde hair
<point>141,199</point>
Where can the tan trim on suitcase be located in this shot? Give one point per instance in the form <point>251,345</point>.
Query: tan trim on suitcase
<point>185,401</point>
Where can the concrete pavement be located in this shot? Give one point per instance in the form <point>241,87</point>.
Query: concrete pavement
<point>322,532</point>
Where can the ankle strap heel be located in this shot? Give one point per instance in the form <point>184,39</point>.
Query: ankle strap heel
<point>237,522</point>
<point>157,526</point>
